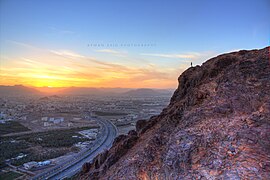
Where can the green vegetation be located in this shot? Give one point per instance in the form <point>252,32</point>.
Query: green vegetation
<point>101,113</point>
<point>12,127</point>
<point>33,156</point>
<point>11,149</point>
<point>60,138</point>
<point>56,143</point>
<point>9,175</point>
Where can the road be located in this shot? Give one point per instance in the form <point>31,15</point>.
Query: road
<point>74,164</point>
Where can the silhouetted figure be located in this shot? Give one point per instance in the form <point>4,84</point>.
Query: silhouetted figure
<point>191,64</point>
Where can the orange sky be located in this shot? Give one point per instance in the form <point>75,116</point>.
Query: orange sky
<point>38,67</point>
<point>43,45</point>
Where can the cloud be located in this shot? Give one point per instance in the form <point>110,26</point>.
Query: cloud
<point>178,56</point>
<point>67,53</point>
<point>113,52</point>
<point>197,58</point>
<point>25,45</point>
<point>110,65</point>
<point>61,52</point>
<point>61,68</point>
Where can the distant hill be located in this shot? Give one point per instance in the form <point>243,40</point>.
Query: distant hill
<point>49,90</point>
<point>144,92</point>
<point>46,98</point>
<point>93,91</point>
<point>17,90</point>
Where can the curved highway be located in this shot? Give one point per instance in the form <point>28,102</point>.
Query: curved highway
<point>74,165</point>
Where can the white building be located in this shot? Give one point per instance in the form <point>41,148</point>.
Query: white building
<point>58,120</point>
<point>30,165</point>
<point>44,163</point>
<point>46,124</point>
<point>44,119</point>
<point>2,115</point>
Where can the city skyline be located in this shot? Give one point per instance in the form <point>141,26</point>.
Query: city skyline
<point>121,44</point>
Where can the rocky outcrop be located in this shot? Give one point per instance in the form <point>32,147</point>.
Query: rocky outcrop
<point>105,160</point>
<point>216,126</point>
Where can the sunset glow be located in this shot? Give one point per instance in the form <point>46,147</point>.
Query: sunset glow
<point>142,89</point>
<point>98,47</point>
<point>65,68</point>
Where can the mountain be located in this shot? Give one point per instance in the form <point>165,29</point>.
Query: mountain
<point>93,91</point>
<point>216,126</point>
<point>79,91</point>
<point>144,92</point>
<point>17,90</point>
<point>49,90</point>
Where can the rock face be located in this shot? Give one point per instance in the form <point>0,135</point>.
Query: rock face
<point>217,126</point>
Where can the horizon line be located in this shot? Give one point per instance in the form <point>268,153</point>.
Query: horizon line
<point>54,87</point>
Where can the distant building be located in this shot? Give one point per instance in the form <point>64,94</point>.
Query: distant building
<point>44,119</point>
<point>2,115</point>
<point>21,156</point>
<point>44,163</point>
<point>33,164</point>
<point>58,120</point>
<point>46,124</point>
<point>2,121</point>
<point>30,165</point>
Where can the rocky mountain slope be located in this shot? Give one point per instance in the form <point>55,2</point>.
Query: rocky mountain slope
<point>217,126</point>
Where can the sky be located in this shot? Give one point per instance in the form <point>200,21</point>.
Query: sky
<point>122,43</point>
